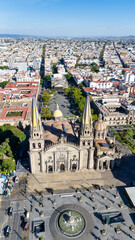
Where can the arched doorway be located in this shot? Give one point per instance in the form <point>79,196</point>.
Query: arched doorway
<point>74,167</point>
<point>62,167</point>
<point>50,169</point>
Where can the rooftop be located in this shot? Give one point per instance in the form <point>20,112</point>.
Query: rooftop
<point>54,129</point>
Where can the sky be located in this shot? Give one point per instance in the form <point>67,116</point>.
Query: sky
<point>68,18</point>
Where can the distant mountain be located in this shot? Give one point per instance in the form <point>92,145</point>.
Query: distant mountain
<point>16,36</point>
<point>50,37</point>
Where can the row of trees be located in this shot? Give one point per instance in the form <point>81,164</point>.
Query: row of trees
<point>126,137</point>
<point>101,56</point>
<point>45,111</point>
<point>77,100</point>
<point>10,138</point>
<point>3,67</point>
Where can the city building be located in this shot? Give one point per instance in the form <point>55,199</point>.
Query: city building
<point>115,111</point>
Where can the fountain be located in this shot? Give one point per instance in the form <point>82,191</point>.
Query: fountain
<point>71,223</point>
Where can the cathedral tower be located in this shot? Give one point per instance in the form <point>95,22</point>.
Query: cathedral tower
<point>36,139</point>
<point>86,136</point>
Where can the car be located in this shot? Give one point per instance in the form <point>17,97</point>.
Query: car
<point>26,227</point>
<point>10,211</point>
<point>7,230</point>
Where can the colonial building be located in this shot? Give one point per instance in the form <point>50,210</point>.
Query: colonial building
<point>115,111</point>
<point>55,147</point>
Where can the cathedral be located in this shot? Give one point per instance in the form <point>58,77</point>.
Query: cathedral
<point>55,146</point>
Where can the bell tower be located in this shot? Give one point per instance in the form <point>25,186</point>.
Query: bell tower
<point>36,141</point>
<point>86,136</point>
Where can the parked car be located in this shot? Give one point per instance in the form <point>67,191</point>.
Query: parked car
<point>7,230</point>
<point>26,227</point>
<point>10,211</point>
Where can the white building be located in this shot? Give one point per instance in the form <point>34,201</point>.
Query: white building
<point>101,84</point>
<point>129,77</point>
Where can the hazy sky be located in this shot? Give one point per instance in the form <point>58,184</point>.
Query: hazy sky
<point>68,17</point>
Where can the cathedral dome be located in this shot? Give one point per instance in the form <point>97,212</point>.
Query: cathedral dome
<point>57,114</point>
<point>100,124</point>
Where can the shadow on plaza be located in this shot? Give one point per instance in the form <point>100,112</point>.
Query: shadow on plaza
<point>125,173</point>
<point>18,235</point>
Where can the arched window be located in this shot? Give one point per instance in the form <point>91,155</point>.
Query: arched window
<point>62,167</point>
<point>34,146</point>
<point>50,169</point>
<point>74,167</point>
<point>39,145</point>
<point>98,135</point>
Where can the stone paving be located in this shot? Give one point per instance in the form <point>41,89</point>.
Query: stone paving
<point>62,181</point>
<point>64,105</point>
<point>88,204</point>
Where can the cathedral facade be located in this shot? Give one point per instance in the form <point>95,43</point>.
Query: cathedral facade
<point>56,147</point>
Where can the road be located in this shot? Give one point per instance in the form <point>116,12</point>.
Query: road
<point>18,202</point>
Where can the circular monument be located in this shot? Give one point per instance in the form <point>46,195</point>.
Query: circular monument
<point>71,221</point>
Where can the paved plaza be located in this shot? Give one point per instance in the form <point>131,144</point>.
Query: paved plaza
<point>49,209</point>
<point>64,104</point>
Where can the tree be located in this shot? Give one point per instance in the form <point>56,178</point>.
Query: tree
<point>66,91</point>
<point>3,84</point>
<point>41,81</point>
<point>8,164</point>
<point>5,149</point>
<point>45,113</point>
<point>94,69</point>
<point>46,97</point>
<point>54,68</point>
<point>10,138</point>
<point>3,67</point>
<point>15,131</point>
<point>47,77</point>
<point>68,76</point>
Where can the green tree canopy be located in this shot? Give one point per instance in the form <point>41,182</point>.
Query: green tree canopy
<point>3,84</point>
<point>8,165</point>
<point>45,113</point>
<point>46,97</point>
<point>47,77</point>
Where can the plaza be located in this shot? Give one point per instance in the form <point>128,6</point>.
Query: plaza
<point>93,203</point>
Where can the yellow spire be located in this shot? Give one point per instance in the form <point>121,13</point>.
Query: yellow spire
<point>35,117</point>
<point>87,118</point>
